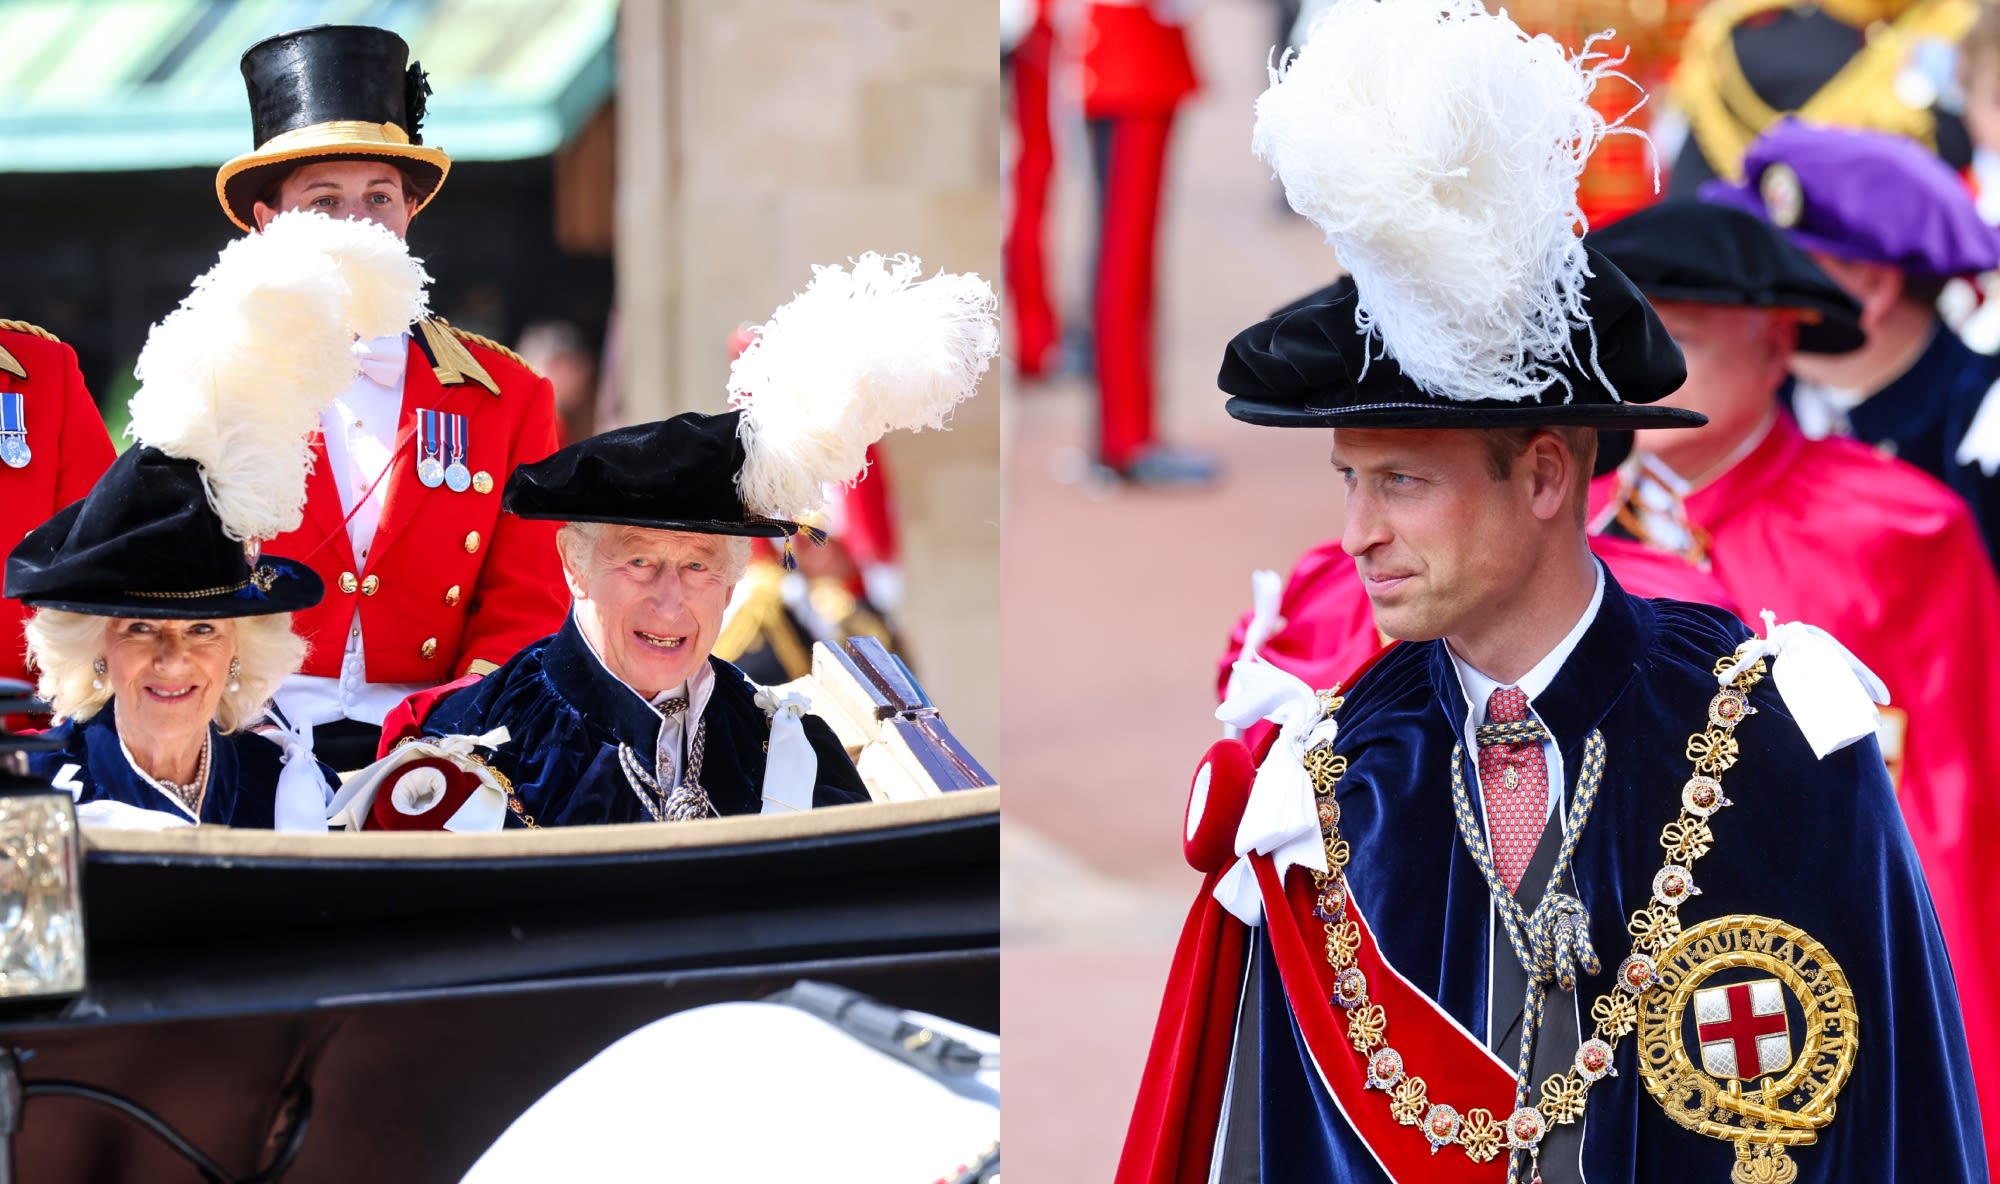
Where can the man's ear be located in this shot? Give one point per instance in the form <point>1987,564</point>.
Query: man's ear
<point>1550,469</point>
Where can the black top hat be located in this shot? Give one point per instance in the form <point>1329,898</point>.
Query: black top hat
<point>672,474</point>
<point>1309,366</point>
<point>145,543</point>
<point>1707,253</point>
<point>331,92</point>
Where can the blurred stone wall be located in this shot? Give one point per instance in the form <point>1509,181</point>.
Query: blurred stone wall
<point>757,139</point>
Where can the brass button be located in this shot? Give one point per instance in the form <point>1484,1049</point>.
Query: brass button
<point>429,649</point>
<point>369,585</point>
<point>471,542</point>
<point>451,595</point>
<point>482,482</point>
<point>347,582</point>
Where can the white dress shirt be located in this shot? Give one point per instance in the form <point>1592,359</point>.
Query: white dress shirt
<point>360,429</point>
<point>674,729</point>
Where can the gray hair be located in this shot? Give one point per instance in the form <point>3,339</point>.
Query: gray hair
<point>64,648</point>
<point>577,540</point>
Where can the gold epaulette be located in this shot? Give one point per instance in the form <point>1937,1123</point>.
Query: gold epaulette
<point>8,362</point>
<point>453,363</point>
<point>1725,113</point>
<point>758,616</point>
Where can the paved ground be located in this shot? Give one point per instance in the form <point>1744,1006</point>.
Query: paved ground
<point>1114,608</point>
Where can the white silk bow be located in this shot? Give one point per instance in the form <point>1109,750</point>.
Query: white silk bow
<point>1831,693</point>
<point>1280,819</point>
<point>383,358</point>
<point>303,793</point>
<point>1265,591</point>
<point>790,766</point>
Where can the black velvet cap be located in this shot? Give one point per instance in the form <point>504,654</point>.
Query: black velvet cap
<point>672,474</point>
<point>330,92</point>
<point>1707,253</point>
<point>1308,366</point>
<point>146,543</point>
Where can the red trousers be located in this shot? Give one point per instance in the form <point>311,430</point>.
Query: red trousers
<point>1131,153</point>
<point>1032,312</point>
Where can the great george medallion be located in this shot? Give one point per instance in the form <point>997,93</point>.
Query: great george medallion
<point>1742,1081</point>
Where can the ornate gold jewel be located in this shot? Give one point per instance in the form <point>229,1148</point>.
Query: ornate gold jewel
<point>1784,1109</point>
<point>1407,1102</point>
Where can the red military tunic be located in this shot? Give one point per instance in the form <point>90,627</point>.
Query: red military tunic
<point>449,580</point>
<point>70,451</point>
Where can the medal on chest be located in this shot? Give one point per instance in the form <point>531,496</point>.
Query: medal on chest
<point>14,448</point>
<point>430,449</point>
<point>456,440</point>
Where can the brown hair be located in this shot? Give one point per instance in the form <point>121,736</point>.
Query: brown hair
<point>414,188</point>
<point>1504,446</point>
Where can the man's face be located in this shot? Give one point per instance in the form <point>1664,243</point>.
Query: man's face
<point>1429,527</point>
<point>1736,360</point>
<point>368,189</point>
<point>649,601</point>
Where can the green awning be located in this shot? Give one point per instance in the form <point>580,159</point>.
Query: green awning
<point>118,85</point>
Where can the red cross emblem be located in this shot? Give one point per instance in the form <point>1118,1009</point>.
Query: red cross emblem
<point>1742,1029</point>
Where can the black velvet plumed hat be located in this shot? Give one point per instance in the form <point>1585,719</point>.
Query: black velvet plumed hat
<point>862,351</point>
<point>330,92</point>
<point>1309,365</point>
<point>146,543</point>
<point>673,474</point>
<point>1708,253</point>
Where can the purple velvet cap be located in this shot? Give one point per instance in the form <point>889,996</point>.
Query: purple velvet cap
<point>1866,196</point>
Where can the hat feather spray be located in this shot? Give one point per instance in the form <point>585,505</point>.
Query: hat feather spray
<point>858,354</point>
<point>235,378</point>
<point>1438,147</point>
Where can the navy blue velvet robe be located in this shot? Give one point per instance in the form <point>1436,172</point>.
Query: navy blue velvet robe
<point>242,775</point>
<point>566,716</point>
<point>1819,844</point>
<point>1924,414</point>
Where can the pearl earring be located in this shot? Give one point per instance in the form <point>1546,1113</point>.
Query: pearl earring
<point>235,675</point>
<point>97,668</point>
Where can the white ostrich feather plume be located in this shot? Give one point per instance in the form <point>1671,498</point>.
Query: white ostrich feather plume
<point>236,377</point>
<point>1438,147</point>
<point>858,354</point>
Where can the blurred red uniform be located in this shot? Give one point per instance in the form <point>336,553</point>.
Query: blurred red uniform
<point>68,451</point>
<point>1136,70</point>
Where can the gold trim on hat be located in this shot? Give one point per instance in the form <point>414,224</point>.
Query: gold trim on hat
<point>334,138</point>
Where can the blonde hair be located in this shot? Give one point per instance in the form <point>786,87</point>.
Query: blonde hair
<point>64,648</point>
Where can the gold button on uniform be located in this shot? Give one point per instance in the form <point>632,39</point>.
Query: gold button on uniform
<point>369,585</point>
<point>471,542</point>
<point>482,482</point>
<point>429,649</point>
<point>451,595</point>
<point>347,582</point>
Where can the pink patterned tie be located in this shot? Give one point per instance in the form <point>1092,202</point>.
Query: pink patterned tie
<point>1514,785</point>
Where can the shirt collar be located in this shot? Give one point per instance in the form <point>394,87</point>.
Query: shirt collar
<point>1478,688</point>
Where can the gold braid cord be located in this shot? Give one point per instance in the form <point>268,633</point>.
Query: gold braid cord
<point>1476,1132</point>
<point>30,330</point>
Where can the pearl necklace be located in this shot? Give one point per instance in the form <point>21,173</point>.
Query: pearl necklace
<point>190,794</point>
